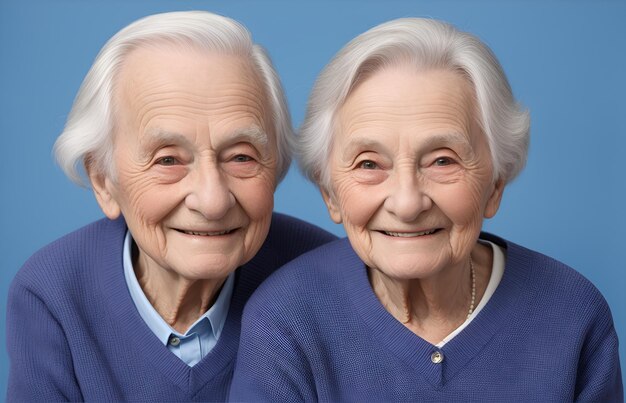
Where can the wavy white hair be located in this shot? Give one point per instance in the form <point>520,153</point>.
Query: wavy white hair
<point>426,44</point>
<point>88,133</point>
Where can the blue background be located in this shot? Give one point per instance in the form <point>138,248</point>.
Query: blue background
<point>565,60</point>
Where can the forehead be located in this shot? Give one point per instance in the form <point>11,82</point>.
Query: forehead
<point>402,98</point>
<point>188,86</point>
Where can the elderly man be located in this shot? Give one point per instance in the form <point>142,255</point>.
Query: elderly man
<point>183,131</point>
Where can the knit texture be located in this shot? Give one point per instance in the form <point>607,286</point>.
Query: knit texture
<point>73,332</point>
<point>315,331</point>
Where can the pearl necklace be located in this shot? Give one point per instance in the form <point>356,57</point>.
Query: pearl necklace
<point>471,308</point>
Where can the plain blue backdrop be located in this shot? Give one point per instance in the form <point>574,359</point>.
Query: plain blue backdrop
<point>566,61</point>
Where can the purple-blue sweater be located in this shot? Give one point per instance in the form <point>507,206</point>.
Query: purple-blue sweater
<point>315,331</point>
<point>73,332</point>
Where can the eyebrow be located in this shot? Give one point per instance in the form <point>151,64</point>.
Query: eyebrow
<point>361,143</point>
<point>434,141</point>
<point>446,138</point>
<point>160,136</point>
<point>253,134</point>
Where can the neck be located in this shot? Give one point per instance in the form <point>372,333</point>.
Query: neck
<point>435,306</point>
<point>178,300</point>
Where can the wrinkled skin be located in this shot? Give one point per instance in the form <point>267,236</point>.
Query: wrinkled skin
<point>194,173</point>
<point>412,180</point>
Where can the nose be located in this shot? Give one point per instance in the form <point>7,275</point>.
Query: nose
<point>209,194</point>
<point>407,198</point>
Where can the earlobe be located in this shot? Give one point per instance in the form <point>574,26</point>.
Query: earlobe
<point>333,209</point>
<point>103,190</point>
<point>493,204</point>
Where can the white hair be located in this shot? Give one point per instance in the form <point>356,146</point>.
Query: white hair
<point>427,44</point>
<point>88,134</point>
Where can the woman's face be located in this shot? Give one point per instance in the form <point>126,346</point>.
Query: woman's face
<point>195,166</point>
<point>411,172</point>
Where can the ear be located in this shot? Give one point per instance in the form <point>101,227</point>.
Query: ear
<point>331,205</point>
<point>103,189</point>
<point>493,204</point>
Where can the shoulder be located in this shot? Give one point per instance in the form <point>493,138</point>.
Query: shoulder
<point>312,279</point>
<point>553,284</point>
<point>561,304</point>
<point>66,259</point>
<point>322,263</point>
<point>290,237</point>
<point>287,239</point>
<point>545,270</point>
<point>296,232</point>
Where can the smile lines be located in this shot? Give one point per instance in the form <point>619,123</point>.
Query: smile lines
<point>409,234</point>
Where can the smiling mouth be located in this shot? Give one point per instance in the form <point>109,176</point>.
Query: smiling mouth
<point>410,234</point>
<point>214,233</point>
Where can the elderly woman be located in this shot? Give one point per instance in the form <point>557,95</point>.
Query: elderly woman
<point>412,133</point>
<point>183,130</point>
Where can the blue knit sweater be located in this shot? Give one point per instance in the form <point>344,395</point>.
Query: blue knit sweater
<point>73,332</point>
<point>315,331</point>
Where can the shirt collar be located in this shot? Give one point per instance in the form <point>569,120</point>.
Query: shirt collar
<point>216,315</point>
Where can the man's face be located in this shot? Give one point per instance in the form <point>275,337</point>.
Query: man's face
<point>195,163</point>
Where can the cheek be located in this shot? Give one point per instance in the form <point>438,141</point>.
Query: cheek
<point>465,203</point>
<point>257,201</point>
<point>357,203</point>
<point>256,196</point>
<point>145,201</point>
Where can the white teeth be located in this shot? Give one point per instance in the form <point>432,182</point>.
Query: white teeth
<point>206,233</point>
<point>409,234</point>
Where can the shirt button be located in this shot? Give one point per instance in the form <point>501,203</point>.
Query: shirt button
<point>174,341</point>
<point>436,357</point>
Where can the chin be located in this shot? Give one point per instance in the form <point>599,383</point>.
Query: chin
<point>407,270</point>
<point>203,271</point>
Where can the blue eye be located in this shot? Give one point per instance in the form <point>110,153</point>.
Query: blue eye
<point>443,161</point>
<point>242,158</point>
<point>368,164</point>
<point>167,160</point>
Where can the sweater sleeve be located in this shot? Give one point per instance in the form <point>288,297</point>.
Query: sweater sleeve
<point>41,366</point>
<point>269,366</point>
<point>599,376</point>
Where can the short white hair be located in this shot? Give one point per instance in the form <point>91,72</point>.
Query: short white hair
<point>427,44</point>
<point>88,133</point>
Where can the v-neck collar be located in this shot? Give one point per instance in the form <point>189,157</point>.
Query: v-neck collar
<point>417,352</point>
<point>119,304</point>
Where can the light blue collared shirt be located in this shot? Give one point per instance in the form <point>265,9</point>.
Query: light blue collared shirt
<point>201,337</point>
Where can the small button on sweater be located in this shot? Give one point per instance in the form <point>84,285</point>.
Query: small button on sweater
<point>315,331</point>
